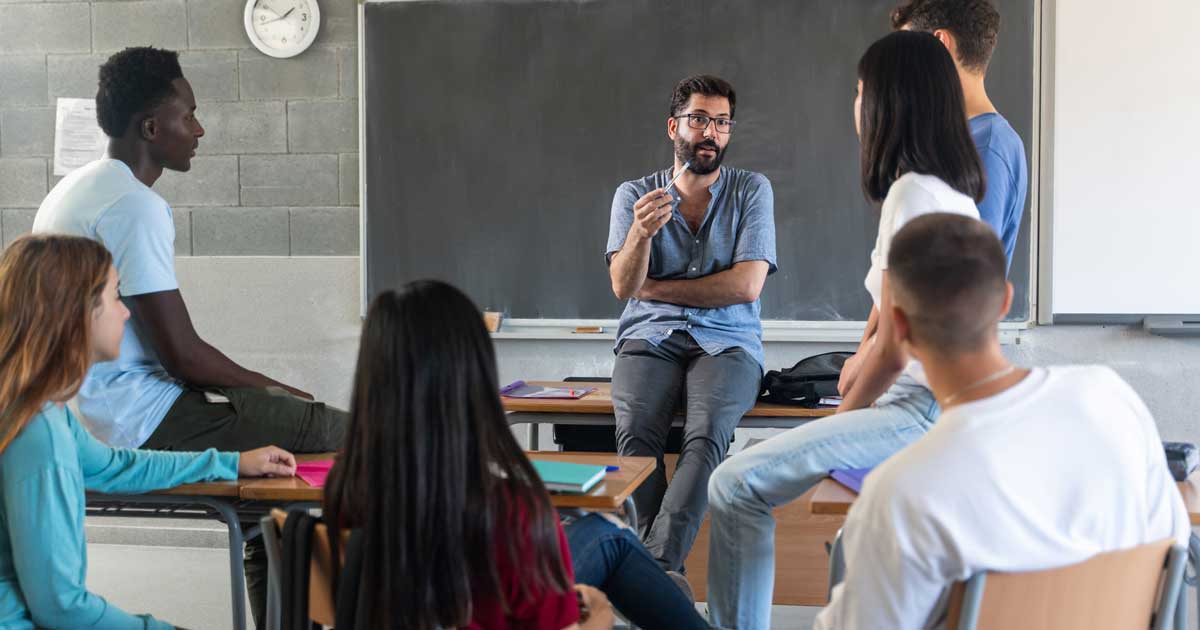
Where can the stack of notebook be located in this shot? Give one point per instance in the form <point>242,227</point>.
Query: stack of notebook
<point>568,477</point>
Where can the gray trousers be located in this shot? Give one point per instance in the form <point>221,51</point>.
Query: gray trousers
<point>649,384</point>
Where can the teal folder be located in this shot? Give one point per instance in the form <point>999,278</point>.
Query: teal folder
<point>568,477</point>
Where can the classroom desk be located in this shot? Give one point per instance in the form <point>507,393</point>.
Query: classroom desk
<point>832,498</point>
<point>223,501</point>
<point>596,408</point>
<point>248,499</point>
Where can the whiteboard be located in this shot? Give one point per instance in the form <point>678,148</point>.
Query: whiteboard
<point>1126,158</point>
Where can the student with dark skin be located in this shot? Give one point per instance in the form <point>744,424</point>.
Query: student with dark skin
<point>169,389</point>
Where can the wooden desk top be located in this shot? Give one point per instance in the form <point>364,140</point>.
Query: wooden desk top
<point>608,495</point>
<point>831,497</point>
<point>600,402</point>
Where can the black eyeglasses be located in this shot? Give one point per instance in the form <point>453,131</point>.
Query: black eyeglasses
<point>700,121</point>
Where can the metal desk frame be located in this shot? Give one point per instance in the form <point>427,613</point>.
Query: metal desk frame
<point>535,419</point>
<point>228,510</point>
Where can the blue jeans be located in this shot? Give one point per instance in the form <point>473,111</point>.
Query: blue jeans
<point>612,559</point>
<point>745,488</point>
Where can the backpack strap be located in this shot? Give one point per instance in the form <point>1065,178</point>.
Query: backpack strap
<point>294,573</point>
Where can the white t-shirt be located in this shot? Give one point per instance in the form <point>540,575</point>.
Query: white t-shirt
<point>1064,465</point>
<point>911,196</point>
<point>121,401</point>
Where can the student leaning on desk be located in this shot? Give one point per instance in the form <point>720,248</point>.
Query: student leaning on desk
<point>60,313</point>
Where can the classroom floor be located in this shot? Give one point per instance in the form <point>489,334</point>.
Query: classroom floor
<point>189,586</point>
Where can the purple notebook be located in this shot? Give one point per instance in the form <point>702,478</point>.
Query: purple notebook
<point>521,389</point>
<point>850,477</point>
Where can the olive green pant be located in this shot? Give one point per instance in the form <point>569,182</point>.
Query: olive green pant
<point>251,419</point>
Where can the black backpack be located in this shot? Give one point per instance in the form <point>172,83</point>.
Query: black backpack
<point>805,383</point>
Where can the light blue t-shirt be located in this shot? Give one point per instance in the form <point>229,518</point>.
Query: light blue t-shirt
<point>44,472</point>
<point>121,401</point>
<point>1003,157</point>
<point>738,226</point>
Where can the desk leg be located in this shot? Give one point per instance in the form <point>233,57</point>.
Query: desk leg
<point>1194,582</point>
<point>237,572</point>
<point>837,563</point>
<point>631,514</point>
<point>532,435</point>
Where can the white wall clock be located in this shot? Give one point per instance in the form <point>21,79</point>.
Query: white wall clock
<point>282,28</point>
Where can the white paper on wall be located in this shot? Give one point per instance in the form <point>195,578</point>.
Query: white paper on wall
<point>78,138</point>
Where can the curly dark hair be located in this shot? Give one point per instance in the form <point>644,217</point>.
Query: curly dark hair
<point>974,23</point>
<point>132,81</point>
<point>705,84</point>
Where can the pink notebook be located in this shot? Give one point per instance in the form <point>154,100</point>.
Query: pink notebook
<point>314,473</point>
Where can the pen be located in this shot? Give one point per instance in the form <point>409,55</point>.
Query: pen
<point>683,169</point>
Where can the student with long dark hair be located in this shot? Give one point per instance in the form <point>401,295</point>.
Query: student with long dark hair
<point>916,158</point>
<point>459,526</point>
<point>59,314</point>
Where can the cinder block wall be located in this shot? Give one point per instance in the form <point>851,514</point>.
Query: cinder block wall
<point>277,172</point>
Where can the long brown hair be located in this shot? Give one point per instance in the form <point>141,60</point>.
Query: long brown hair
<point>430,472</point>
<point>49,288</point>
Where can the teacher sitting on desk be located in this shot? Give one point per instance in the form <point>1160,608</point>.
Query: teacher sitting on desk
<point>690,257</point>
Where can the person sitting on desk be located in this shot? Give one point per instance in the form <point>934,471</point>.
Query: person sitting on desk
<point>691,262</point>
<point>1027,469</point>
<point>162,392</point>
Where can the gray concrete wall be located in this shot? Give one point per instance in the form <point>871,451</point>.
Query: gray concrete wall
<point>297,319</point>
<point>277,172</point>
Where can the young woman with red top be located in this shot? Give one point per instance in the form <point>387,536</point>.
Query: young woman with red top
<point>458,527</point>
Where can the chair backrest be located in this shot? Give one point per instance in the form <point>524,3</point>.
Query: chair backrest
<point>1131,588</point>
<point>321,606</point>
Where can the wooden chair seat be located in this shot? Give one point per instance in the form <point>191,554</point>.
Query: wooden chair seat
<point>1131,588</point>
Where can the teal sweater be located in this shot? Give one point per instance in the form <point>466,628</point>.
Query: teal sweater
<point>43,554</point>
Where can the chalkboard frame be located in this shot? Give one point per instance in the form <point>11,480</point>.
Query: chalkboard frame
<point>774,329</point>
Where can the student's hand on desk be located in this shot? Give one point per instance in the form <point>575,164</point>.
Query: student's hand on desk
<point>595,611</point>
<point>651,212</point>
<point>268,461</point>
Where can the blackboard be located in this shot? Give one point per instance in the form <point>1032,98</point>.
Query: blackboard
<point>497,131</point>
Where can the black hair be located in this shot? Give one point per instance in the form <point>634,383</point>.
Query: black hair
<point>133,81</point>
<point>705,84</point>
<point>430,470</point>
<point>974,23</point>
<point>913,118</point>
<point>947,273</point>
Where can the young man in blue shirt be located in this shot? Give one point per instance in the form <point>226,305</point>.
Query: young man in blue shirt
<point>691,261</point>
<point>969,29</point>
<point>168,389</point>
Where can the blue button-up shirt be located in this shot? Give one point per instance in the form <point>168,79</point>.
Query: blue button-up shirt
<point>738,226</point>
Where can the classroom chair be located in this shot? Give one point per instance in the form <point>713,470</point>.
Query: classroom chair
<point>286,534</point>
<point>1131,588</point>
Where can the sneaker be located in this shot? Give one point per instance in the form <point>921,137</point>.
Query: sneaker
<point>683,584</point>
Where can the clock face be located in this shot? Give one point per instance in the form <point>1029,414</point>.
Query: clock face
<point>282,28</point>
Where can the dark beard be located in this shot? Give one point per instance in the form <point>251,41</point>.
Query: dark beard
<point>686,152</point>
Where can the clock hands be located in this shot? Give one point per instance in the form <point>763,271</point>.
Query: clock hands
<point>286,13</point>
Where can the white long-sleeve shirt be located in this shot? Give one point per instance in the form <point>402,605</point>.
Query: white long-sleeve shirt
<point>1064,465</point>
